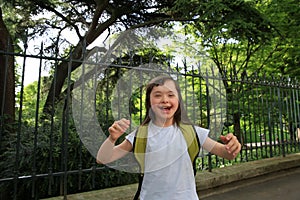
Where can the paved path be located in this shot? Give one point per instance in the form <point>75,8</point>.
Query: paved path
<point>284,186</point>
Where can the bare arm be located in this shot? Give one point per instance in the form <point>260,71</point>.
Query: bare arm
<point>109,152</point>
<point>229,150</point>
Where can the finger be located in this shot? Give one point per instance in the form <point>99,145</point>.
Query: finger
<point>227,138</point>
<point>123,123</point>
<point>121,127</point>
<point>232,148</point>
<point>235,147</point>
<point>223,139</point>
<point>232,144</point>
<point>237,150</point>
<point>112,129</point>
<point>117,127</point>
<point>126,121</point>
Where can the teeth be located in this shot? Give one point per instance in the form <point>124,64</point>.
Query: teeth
<point>166,107</point>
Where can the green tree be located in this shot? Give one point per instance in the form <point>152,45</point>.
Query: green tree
<point>284,15</point>
<point>246,38</point>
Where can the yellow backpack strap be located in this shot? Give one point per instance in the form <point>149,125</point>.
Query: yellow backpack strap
<point>139,146</point>
<point>139,150</point>
<point>192,141</point>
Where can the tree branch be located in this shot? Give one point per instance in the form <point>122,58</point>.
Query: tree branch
<point>51,9</point>
<point>101,6</point>
<point>160,20</point>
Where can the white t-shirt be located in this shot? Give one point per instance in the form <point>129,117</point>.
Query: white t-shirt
<point>169,171</point>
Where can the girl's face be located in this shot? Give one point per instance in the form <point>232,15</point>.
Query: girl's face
<point>164,103</point>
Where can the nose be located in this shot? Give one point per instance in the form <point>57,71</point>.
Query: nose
<point>165,99</point>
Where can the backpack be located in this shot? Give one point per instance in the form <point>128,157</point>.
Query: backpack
<point>140,142</point>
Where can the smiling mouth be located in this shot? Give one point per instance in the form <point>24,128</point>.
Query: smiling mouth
<point>165,108</point>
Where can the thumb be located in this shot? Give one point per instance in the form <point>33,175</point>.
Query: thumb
<point>224,139</point>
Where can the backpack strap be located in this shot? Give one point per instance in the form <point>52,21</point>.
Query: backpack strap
<point>193,143</point>
<point>137,194</point>
<point>139,149</point>
<point>139,146</point>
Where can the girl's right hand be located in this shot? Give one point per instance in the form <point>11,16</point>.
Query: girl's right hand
<point>117,129</point>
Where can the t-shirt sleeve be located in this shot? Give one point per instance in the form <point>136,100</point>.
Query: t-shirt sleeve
<point>202,134</point>
<point>130,137</point>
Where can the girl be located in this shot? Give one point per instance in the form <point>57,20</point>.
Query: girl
<point>168,170</point>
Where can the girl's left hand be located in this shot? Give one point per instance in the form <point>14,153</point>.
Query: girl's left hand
<point>232,145</point>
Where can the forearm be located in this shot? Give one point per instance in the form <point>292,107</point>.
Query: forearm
<point>105,152</point>
<point>219,149</point>
<point>109,152</point>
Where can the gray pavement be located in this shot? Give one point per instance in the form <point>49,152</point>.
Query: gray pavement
<point>282,185</point>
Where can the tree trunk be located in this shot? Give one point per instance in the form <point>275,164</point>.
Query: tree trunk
<point>237,127</point>
<point>7,75</point>
<point>60,78</point>
<point>7,91</point>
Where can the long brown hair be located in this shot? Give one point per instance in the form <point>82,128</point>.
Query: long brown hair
<point>180,114</point>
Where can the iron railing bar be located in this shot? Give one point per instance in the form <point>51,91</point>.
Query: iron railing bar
<point>249,120</point>
<point>81,119</point>
<point>193,96</point>
<point>36,126</point>
<point>208,119</point>
<point>293,120</point>
<point>19,130</point>
<point>259,120</point>
<point>265,121</point>
<point>280,122</point>
<point>242,116</point>
<point>51,135</point>
<point>297,111</point>
<point>288,113</point>
<point>256,109</point>
<point>296,116</point>
<point>270,120</point>
<point>66,130</point>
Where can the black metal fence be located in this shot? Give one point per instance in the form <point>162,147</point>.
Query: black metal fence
<point>49,149</point>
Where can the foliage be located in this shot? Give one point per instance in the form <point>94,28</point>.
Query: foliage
<point>244,40</point>
<point>284,15</point>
